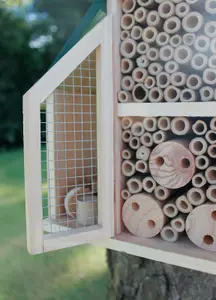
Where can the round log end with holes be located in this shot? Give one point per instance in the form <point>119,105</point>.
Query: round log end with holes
<point>210,175</point>
<point>128,168</point>
<point>171,165</point>
<point>168,234</point>
<point>211,193</point>
<point>183,204</point>
<point>143,216</point>
<point>198,146</point>
<point>196,196</point>
<point>202,162</point>
<point>201,227</point>
<point>149,184</point>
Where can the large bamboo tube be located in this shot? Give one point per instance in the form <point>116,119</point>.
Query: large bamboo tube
<point>171,66</point>
<point>128,48</point>
<point>142,48</point>
<point>155,95</point>
<point>127,65</point>
<point>194,82</point>
<point>166,9</point>
<point>143,153</point>
<point>198,146</point>
<point>171,164</point>
<point>180,125</point>
<point>160,137</point>
<point>139,75</point>
<point>127,83</point>
<point>210,175</point>
<point>126,123</point>
<point>134,143</point>
<point>172,94</point>
<point>163,80</point>
<point>136,33</point>
<point>183,54</point>
<point>199,62</point>
<point>162,193</point>
<point>128,6</point>
<point>199,127</point>
<point>178,79</point>
<point>143,62</point>
<point>128,168</point>
<point>142,166</point>
<point>137,129</point>
<point>124,97</point>
<point>196,196</point>
<point>199,180</point>
<point>168,234</point>
<point>166,53</point>
<point>183,204</point>
<point>206,93</point>
<point>143,216</point>
<point>125,194</point>
<point>162,39</point>
<point>150,124</point>
<point>200,226</point>
<point>202,43</point>
<point>140,15</point>
<point>175,40</point>
<point>172,25</point>
<point>211,136</point>
<point>134,185</point>
<point>192,22</point>
<point>170,209</point>
<point>212,151</point>
<point>164,123</point>
<point>179,223</point>
<point>140,93</point>
<point>155,68</point>
<point>152,54</point>
<point>188,95</point>
<point>126,136</point>
<point>182,9</point>
<point>153,19</point>
<point>211,193</point>
<point>127,21</point>
<point>127,154</point>
<point>147,139</point>
<point>210,7</point>
<point>202,162</point>
<point>149,184</point>
<point>149,34</point>
<point>209,76</point>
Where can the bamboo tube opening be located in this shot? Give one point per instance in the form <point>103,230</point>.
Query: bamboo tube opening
<point>140,93</point>
<point>125,194</point>
<point>127,21</point>
<point>212,151</point>
<point>208,240</point>
<point>141,166</point>
<point>148,184</point>
<point>147,139</point>
<point>211,175</point>
<point>202,162</point>
<point>164,123</point>
<point>199,127</point>
<point>128,168</point>
<point>162,38</point>
<point>125,35</point>
<point>136,32</point>
<point>128,6</point>
<point>213,193</point>
<point>152,54</point>
<point>126,122</point>
<point>175,40</point>
<point>183,204</point>
<point>134,142</point>
<point>172,25</point>
<point>126,136</point>
<point>142,47</point>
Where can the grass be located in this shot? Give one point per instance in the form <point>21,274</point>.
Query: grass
<point>78,273</point>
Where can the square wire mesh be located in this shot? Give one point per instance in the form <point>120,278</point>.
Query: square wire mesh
<point>69,152</point>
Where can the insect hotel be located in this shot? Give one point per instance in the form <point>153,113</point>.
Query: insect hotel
<point>120,137</point>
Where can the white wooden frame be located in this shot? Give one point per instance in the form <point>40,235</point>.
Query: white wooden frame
<point>99,37</point>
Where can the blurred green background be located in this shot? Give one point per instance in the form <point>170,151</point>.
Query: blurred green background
<point>32,36</point>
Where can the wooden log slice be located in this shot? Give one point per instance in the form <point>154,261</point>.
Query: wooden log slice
<point>171,164</point>
<point>201,226</point>
<point>143,216</point>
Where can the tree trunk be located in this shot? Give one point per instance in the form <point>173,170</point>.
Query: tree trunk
<point>135,278</point>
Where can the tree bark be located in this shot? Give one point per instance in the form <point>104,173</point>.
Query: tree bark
<point>135,278</point>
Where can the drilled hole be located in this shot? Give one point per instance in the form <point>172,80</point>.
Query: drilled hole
<point>159,161</point>
<point>185,163</point>
<point>151,224</point>
<point>135,206</point>
<point>208,240</point>
<point>213,215</point>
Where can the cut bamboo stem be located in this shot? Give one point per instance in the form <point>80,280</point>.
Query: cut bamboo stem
<point>211,193</point>
<point>206,93</point>
<point>170,209</point>
<point>199,180</point>
<point>150,124</point>
<point>136,33</point>
<point>124,97</point>
<point>143,62</point>
<point>175,40</point>
<point>163,80</point>
<point>194,82</point>
<point>127,21</point>
<point>152,54</point>
<point>137,129</point>
<point>142,48</point>
<point>162,193</point>
<point>134,185</point>
<point>134,143</point>
<point>142,166</point>
<point>198,146</point>
<point>143,153</point>
<point>128,6</point>
<point>166,53</point>
<point>183,204</point>
<point>128,48</point>
<point>199,127</point>
<point>183,54</point>
<point>212,61</point>
<point>172,94</point>
<point>128,168</point>
<point>140,15</point>
<point>202,43</point>
<point>210,29</point>
<point>162,39</point>
<point>164,123</point>
<point>182,9</point>
<point>171,66</point>
<point>196,196</point>
<point>210,175</point>
<point>192,22</point>
<point>199,62</point>
<point>178,79</point>
<point>188,95</point>
<point>149,82</point>
<point>139,75</point>
<point>154,19</point>
<point>210,7</point>
<point>127,154</point>
<point>155,95</point>
<point>126,123</point>
<point>127,83</point>
<point>179,223</point>
<point>209,76</point>
<point>168,234</point>
<point>125,194</point>
<point>149,184</point>
<point>143,216</point>
<point>211,137</point>
<point>147,139</point>
<point>140,93</point>
<point>149,34</point>
<point>166,9</point>
<point>126,136</point>
<point>146,3</point>
<point>125,34</point>
<point>160,137</point>
<point>180,126</point>
<point>172,25</point>
<point>212,151</point>
<point>127,65</point>
<point>155,68</point>
<point>202,162</point>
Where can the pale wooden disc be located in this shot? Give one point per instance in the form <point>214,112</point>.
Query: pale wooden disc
<point>171,165</point>
<point>201,226</point>
<point>143,216</point>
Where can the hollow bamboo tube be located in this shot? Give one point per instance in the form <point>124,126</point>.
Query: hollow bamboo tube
<point>199,180</point>
<point>127,154</point>
<point>127,65</point>
<point>147,139</point>
<point>168,234</point>
<point>162,193</point>
<point>199,62</point>
<point>127,83</point>
<point>192,22</point>
<point>178,79</point>
<point>178,223</point>
<point>142,48</point>
<point>128,6</point>
<point>136,33</point>
<point>183,54</point>
<point>139,75</point>
<point>154,20</point>
<point>199,127</point>
<point>210,29</point>
<point>200,226</point>
<point>142,166</point>
<point>202,43</point>
<point>210,175</point>
<point>160,137</point>
<point>155,68</point>
<point>134,143</point>
<point>177,1</point>
<point>194,82</point>
<point>180,125</point>
<point>126,123</point>
<point>198,146</point>
<point>211,137</point>
<point>210,7</point>
<point>166,9</point>
<point>150,124</point>
<point>209,76</point>
<point>125,34</point>
<point>164,123</point>
<point>211,193</point>
<point>128,48</point>
<point>143,153</point>
<point>213,124</point>
<point>212,61</point>
<point>163,80</point>
<point>171,164</point>
<point>175,40</point>
<point>149,34</point>
<point>126,136</point>
<point>212,151</point>
<point>170,209</point>
<point>149,82</point>
<point>202,162</point>
<point>196,196</point>
<point>162,39</point>
<point>187,95</point>
<point>171,66</point>
<point>172,25</point>
<point>140,93</point>
<point>134,185</point>
<point>128,168</point>
<point>127,21</point>
<point>143,62</point>
<point>152,54</point>
<point>172,94</point>
<point>146,3</point>
<point>140,15</point>
<point>124,97</point>
<point>166,53</point>
<point>206,93</point>
<point>155,95</point>
<point>183,204</point>
<point>137,129</point>
<point>149,184</point>
<point>143,216</point>
<point>182,9</point>
<point>125,194</point>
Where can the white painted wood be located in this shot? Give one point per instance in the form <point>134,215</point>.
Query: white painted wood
<point>191,109</point>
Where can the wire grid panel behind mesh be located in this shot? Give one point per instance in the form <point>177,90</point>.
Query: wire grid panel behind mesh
<point>69,152</point>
